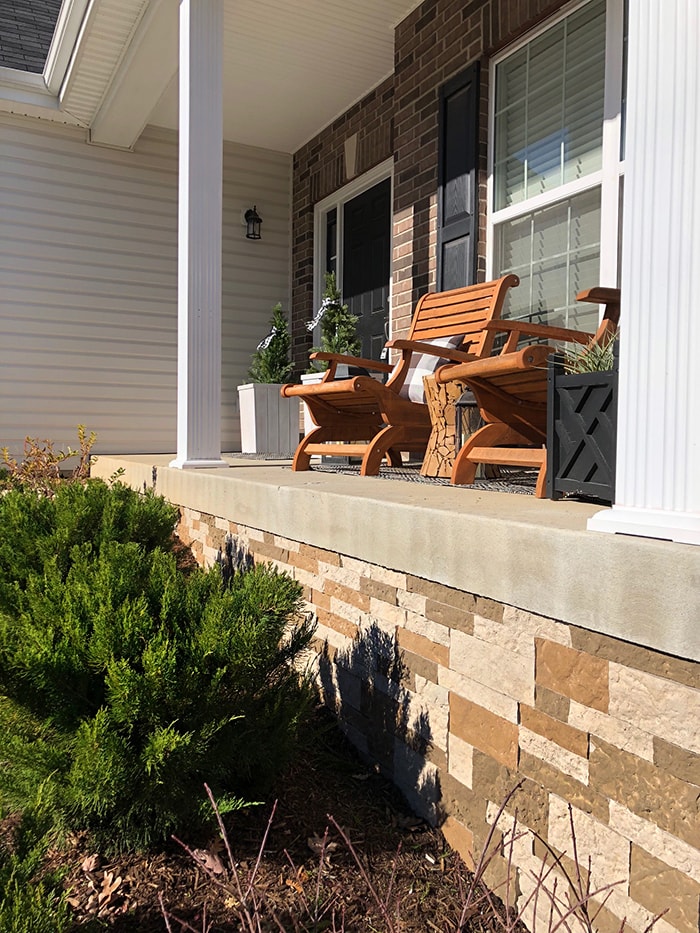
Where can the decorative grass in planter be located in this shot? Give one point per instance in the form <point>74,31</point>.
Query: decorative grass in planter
<point>582,423</point>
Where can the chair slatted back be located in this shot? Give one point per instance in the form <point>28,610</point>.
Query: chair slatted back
<point>462,311</point>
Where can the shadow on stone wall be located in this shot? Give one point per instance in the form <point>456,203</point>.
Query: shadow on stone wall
<point>365,685</point>
<point>233,557</point>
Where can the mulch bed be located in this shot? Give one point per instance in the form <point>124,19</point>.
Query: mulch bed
<point>124,893</point>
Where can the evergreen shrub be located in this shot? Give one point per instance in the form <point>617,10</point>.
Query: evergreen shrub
<point>38,530</point>
<point>338,325</point>
<point>125,684</point>
<point>271,363</point>
<point>31,900</point>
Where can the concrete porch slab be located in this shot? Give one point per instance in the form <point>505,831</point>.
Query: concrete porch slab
<point>533,554</point>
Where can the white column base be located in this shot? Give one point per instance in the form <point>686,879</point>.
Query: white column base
<point>682,527</point>
<point>183,464</point>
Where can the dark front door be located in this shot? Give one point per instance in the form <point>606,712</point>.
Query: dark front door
<point>366,264</point>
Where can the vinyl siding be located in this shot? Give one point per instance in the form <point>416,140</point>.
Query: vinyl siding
<point>88,284</point>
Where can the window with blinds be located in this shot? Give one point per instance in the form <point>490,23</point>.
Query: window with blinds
<point>547,166</point>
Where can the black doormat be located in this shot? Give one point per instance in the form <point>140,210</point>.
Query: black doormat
<point>518,481</point>
<point>510,480</point>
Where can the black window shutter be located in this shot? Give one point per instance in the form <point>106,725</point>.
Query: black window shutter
<point>458,203</point>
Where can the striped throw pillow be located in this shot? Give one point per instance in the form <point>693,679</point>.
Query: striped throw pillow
<point>423,364</point>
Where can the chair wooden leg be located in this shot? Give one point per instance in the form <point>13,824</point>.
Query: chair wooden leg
<point>302,460</point>
<point>541,485</point>
<point>394,457</point>
<point>463,469</point>
<point>493,435</point>
<point>386,443</point>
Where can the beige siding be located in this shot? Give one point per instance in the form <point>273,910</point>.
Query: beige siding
<point>256,273</point>
<point>88,283</point>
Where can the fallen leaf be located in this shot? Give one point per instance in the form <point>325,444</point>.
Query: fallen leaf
<point>109,886</point>
<point>291,883</point>
<point>210,860</point>
<point>217,845</point>
<point>321,846</point>
<point>91,863</point>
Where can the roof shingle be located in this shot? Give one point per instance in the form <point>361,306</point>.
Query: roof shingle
<point>26,30</point>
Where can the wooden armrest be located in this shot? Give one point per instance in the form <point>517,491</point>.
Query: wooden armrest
<point>610,297</point>
<point>352,361</point>
<point>417,346</point>
<point>600,295</point>
<point>528,358</point>
<point>546,331</point>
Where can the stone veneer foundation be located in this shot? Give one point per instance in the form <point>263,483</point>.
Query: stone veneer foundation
<point>458,698</point>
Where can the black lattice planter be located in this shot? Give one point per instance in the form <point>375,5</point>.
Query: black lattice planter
<point>581,433</point>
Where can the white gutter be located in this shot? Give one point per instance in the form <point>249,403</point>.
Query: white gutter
<point>64,40</point>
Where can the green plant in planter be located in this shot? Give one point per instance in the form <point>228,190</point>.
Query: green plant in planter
<point>590,358</point>
<point>338,325</point>
<point>271,361</point>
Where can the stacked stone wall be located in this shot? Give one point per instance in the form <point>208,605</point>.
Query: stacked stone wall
<point>459,699</point>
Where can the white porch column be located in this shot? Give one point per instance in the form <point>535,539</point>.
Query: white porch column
<point>199,236</point>
<point>658,449</point>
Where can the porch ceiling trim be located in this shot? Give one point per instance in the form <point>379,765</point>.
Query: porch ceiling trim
<point>106,34</point>
<point>145,71</point>
<point>289,69</point>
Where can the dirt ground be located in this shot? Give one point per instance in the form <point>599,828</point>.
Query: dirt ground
<point>414,874</point>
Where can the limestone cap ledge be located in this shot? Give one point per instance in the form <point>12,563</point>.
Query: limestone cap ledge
<point>533,554</point>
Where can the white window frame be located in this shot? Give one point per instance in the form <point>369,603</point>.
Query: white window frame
<point>337,201</point>
<point>608,178</point>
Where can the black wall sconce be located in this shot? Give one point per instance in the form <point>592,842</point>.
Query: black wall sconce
<point>252,223</point>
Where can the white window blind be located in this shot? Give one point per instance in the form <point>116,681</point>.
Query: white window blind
<point>556,252</point>
<point>547,163</point>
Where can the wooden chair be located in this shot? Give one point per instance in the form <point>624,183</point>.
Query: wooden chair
<point>511,392</point>
<point>362,417</point>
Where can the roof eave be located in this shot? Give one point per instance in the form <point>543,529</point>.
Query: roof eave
<point>63,44</point>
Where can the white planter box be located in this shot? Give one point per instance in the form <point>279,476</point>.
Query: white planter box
<point>269,423</point>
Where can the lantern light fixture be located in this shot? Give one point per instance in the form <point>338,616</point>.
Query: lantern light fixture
<point>252,224</point>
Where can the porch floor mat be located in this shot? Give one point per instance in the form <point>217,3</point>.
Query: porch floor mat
<point>510,480</point>
<point>518,481</point>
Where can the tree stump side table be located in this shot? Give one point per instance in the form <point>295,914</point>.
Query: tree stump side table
<point>441,450</point>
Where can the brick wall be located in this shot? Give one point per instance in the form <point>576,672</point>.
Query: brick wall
<point>319,169</point>
<point>400,118</point>
<point>437,41</point>
<point>458,698</point>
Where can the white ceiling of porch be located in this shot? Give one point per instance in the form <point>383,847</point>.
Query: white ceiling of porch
<point>290,67</point>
